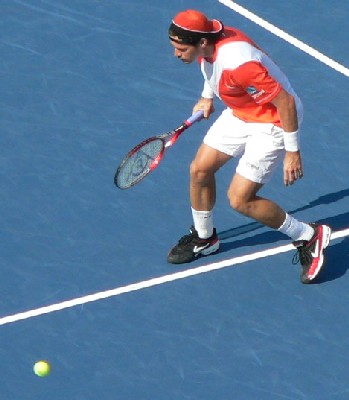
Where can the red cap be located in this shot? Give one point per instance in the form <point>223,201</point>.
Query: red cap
<point>195,21</point>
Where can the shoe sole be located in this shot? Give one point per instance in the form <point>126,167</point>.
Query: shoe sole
<point>326,237</point>
<point>210,250</point>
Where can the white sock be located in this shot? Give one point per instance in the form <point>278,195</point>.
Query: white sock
<point>203,222</point>
<point>295,229</point>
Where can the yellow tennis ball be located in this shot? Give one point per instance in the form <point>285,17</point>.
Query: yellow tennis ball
<point>42,368</point>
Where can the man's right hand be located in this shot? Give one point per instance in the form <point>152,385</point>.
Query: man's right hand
<point>206,105</point>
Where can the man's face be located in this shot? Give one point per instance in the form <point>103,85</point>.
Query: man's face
<point>186,52</point>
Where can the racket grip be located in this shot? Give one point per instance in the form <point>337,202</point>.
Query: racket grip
<point>195,118</point>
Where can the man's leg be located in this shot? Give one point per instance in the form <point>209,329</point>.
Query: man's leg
<point>309,239</point>
<point>203,239</point>
<point>202,177</point>
<point>242,195</point>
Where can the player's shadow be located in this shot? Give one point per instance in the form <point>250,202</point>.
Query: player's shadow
<point>326,199</point>
<point>337,255</point>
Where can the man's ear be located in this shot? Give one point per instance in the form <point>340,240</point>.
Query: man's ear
<point>203,42</point>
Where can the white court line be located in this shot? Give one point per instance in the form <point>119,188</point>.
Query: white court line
<point>283,35</point>
<point>154,282</point>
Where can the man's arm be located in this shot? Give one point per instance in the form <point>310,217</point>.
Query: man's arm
<point>286,106</point>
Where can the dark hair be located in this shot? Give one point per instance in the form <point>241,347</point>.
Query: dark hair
<point>191,37</point>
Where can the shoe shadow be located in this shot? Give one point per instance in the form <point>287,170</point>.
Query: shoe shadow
<point>337,262</point>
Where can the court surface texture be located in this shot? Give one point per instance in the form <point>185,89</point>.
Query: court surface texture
<point>84,278</point>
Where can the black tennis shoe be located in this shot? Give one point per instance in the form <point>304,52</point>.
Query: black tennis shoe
<point>311,253</point>
<point>190,247</point>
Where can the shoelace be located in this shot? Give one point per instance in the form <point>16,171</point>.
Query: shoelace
<point>303,256</point>
<point>186,239</point>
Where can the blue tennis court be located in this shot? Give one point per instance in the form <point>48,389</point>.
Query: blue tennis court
<point>84,278</point>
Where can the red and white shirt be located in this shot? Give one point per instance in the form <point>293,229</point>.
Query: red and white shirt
<point>244,78</point>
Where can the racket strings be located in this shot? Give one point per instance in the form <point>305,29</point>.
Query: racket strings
<point>139,163</point>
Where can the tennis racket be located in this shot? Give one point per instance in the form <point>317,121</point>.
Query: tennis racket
<point>146,156</point>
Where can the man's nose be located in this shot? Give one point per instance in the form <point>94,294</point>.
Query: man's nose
<point>177,53</point>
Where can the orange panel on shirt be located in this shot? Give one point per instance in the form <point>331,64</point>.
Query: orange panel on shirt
<point>248,90</point>
<point>248,87</point>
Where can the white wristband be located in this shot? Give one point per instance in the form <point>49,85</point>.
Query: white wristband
<point>291,141</point>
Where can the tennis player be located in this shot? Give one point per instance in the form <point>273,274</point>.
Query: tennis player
<point>260,126</point>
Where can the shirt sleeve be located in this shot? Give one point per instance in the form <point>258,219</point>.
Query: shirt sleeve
<point>254,78</point>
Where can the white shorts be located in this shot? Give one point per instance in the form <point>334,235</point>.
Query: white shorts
<point>260,145</point>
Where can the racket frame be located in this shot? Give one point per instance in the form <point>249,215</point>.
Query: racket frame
<point>167,139</point>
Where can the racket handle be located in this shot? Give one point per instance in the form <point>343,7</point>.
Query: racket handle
<point>195,118</point>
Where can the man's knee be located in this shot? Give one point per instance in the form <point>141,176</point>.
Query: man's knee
<point>198,174</point>
<point>242,194</point>
<point>236,202</point>
<point>239,203</point>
